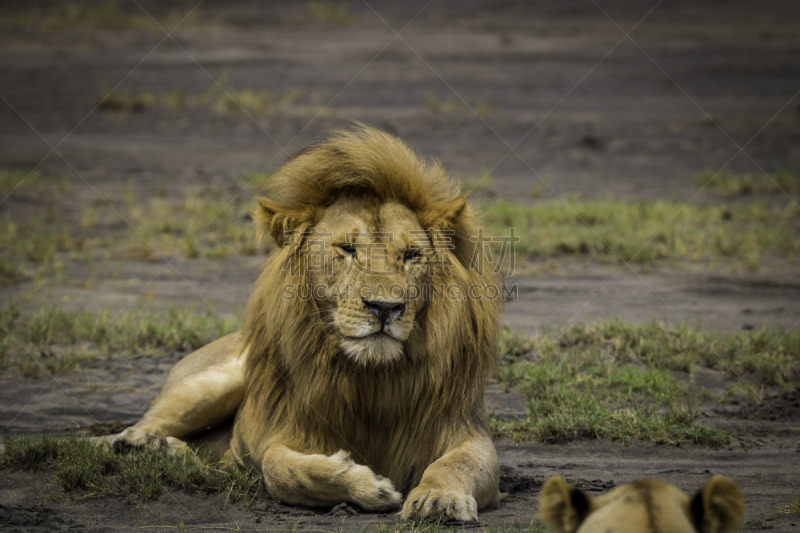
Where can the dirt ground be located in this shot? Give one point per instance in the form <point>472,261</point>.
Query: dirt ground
<point>556,98</point>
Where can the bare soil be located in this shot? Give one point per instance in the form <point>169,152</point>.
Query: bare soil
<point>552,97</point>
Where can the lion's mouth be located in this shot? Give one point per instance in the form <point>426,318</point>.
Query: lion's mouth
<point>378,347</point>
<point>375,335</point>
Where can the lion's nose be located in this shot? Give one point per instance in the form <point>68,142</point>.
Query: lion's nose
<point>385,311</point>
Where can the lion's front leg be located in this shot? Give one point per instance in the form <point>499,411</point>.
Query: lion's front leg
<point>202,390</point>
<point>318,480</point>
<point>466,478</point>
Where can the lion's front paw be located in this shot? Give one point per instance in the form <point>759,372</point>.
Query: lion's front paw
<point>440,504</point>
<point>133,437</point>
<point>370,491</point>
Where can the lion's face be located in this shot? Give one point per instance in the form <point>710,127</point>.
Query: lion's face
<point>647,506</point>
<point>367,264</point>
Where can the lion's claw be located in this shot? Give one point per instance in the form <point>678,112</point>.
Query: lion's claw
<point>368,490</point>
<point>133,438</point>
<point>445,505</point>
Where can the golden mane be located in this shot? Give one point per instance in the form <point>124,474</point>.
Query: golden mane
<point>396,418</point>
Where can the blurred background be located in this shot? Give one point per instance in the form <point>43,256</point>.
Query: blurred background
<point>570,96</point>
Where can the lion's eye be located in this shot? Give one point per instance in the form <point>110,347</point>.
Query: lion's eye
<point>409,255</point>
<point>349,249</point>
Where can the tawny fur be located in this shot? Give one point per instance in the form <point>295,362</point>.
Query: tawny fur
<point>326,427</point>
<point>647,506</point>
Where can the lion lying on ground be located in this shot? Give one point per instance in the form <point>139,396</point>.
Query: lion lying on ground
<point>359,373</point>
<point>648,506</point>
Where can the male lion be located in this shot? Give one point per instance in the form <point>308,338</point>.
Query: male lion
<point>359,373</point>
<point>648,506</point>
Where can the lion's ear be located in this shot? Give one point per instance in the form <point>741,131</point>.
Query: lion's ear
<point>444,214</point>
<point>281,221</point>
<point>718,506</point>
<point>562,505</point>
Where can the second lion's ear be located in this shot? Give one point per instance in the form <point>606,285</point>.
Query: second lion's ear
<point>280,220</point>
<point>562,505</point>
<point>718,507</point>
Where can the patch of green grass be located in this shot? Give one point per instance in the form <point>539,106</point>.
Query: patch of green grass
<point>570,400</point>
<point>35,248</point>
<point>326,13</point>
<point>244,101</point>
<point>11,273</point>
<point>615,380</point>
<point>122,102</point>
<point>770,357</point>
<point>477,183</point>
<point>647,232</point>
<point>213,224</point>
<point>84,21</point>
<point>221,97</point>
<point>512,346</point>
<point>30,182</point>
<point>55,340</point>
<point>792,506</point>
<point>11,181</point>
<point>32,238</point>
<point>37,240</point>
<point>91,469</point>
<point>438,105</point>
<point>430,526</point>
<point>730,185</point>
<point>68,15</point>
